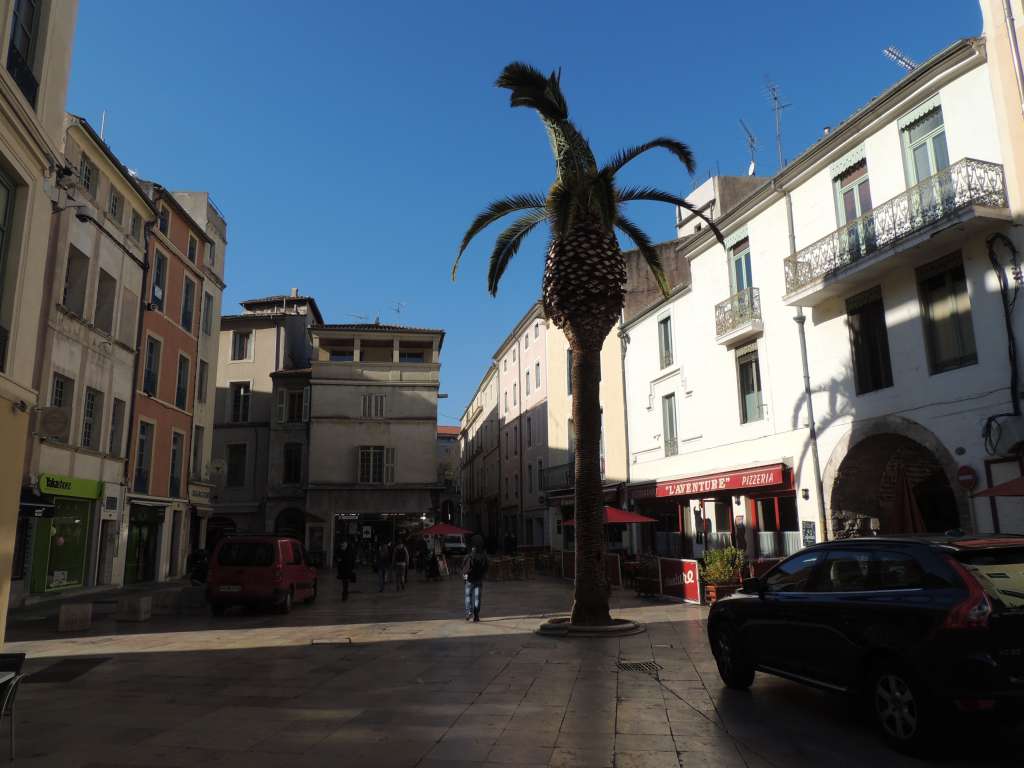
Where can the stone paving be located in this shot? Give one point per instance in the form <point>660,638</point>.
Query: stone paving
<point>401,681</point>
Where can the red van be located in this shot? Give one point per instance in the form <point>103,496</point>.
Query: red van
<point>259,570</point>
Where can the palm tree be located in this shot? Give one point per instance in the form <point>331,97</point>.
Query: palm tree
<point>583,286</point>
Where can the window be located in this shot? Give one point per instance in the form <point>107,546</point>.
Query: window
<point>529,432</point>
<point>529,478</point>
<point>159,280</point>
<point>92,417</point>
<point>295,555</point>
<point>129,318</point>
<point>513,354</point>
<point>793,575</point>
<point>207,313</point>
<point>240,394</point>
<point>135,226</point>
<point>19,54</point>
<point>151,372</point>
<point>297,406</point>
<point>504,365</point>
<point>236,465</point>
<point>536,330</point>
<point>526,341</point>
<point>211,254</point>
<point>665,341</point>
<point>924,142</point>
<point>506,487</point>
<point>846,571</point>
<point>292,468</point>
<point>740,277</point>
<point>202,381</point>
<point>174,482</point>
<point>241,345</point>
<point>515,394</point>
<point>410,357</point>
<point>106,297</point>
<point>527,382</point>
<point>193,247</point>
<point>373,406</point>
<point>196,468</point>
<point>88,176</point>
<point>668,419</point>
<point>853,193</point>
<point>898,570</point>
<point>536,375</point>
<point>116,428</point>
<point>181,387</point>
<point>163,221</point>
<point>869,341</point>
<point>949,330</point>
<point>188,304</point>
<point>506,402</point>
<point>749,372</point>
<point>376,464</point>
<point>143,456</point>
<point>115,205</point>
<point>515,440</point>
<point>506,444</point>
<point>75,280</point>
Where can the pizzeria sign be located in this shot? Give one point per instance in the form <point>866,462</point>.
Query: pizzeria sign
<point>757,477</point>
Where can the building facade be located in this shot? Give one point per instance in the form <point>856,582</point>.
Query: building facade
<point>479,458</point>
<point>449,502</point>
<point>33,88</point>
<point>881,251</point>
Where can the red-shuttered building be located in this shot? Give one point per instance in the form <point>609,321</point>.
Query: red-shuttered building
<point>162,414</point>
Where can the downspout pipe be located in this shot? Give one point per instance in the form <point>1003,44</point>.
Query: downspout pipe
<point>1018,66</point>
<point>800,320</point>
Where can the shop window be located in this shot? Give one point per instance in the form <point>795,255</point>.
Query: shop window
<point>949,329</point>
<point>159,281</point>
<point>67,544</point>
<point>117,428</point>
<point>237,454</point>
<point>292,469</point>
<point>668,418</point>
<point>188,304</point>
<point>665,342</point>
<point>92,417</point>
<point>749,373</point>
<point>869,341</point>
<point>181,385</point>
<point>143,456</point>
<point>106,297</point>
<point>75,280</point>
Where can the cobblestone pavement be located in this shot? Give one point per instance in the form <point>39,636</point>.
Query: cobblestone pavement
<point>400,680</point>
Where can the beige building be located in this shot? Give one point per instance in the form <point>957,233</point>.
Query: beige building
<point>373,426</point>
<point>479,459</point>
<point>33,87</point>
<point>271,335</point>
<point>201,487</point>
<point>73,528</point>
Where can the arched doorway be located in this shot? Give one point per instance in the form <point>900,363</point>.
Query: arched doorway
<point>897,480</point>
<point>291,522</point>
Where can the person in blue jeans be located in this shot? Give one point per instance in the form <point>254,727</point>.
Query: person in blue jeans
<point>474,568</point>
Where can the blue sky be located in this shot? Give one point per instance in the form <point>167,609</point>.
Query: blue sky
<point>349,146</point>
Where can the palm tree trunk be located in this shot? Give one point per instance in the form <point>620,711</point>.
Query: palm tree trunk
<point>590,604</point>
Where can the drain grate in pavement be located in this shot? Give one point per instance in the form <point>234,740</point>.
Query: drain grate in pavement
<point>66,670</point>
<point>647,667</point>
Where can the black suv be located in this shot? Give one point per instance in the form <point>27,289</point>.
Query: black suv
<point>918,626</point>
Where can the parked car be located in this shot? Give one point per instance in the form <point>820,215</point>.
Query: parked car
<point>454,544</point>
<point>259,570</point>
<point>918,627</point>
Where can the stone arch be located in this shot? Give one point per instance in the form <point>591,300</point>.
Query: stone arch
<point>291,522</point>
<point>860,476</point>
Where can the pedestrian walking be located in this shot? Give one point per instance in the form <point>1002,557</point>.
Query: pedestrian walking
<point>346,562</point>
<point>383,564</point>
<point>400,565</point>
<point>474,568</point>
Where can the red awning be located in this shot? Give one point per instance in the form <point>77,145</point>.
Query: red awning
<point>1013,487</point>
<point>616,516</point>
<point>443,529</point>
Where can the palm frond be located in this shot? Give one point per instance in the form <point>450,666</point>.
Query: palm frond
<point>647,250</point>
<point>531,88</point>
<point>561,204</point>
<point>507,245</point>
<point>677,148</point>
<point>604,199</point>
<point>630,194</point>
<point>492,213</point>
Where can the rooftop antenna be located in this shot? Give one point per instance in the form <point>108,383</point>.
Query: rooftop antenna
<point>752,146</point>
<point>103,123</point>
<point>364,318</point>
<point>397,307</point>
<point>894,54</point>
<point>777,107</point>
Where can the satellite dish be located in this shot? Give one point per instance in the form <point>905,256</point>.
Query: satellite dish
<point>52,422</point>
<point>218,466</point>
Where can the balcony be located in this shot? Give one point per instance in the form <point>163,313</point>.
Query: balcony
<point>22,75</point>
<point>968,197</point>
<point>558,478</point>
<point>738,318</point>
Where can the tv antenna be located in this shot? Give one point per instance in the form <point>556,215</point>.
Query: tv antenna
<point>398,306</point>
<point>364,318</point>
<point>752,146</point>
<point>777,107</point>
<point>897,56</point>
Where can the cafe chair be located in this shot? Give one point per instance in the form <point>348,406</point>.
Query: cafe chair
<point>12,663</point>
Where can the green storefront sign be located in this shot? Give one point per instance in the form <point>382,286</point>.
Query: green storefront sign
<point>60,545</point>
<point>61,485</point>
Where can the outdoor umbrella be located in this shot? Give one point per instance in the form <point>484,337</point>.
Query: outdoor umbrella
<point>1013,487</point>
<point>613,515</point>
<point>443,529</point>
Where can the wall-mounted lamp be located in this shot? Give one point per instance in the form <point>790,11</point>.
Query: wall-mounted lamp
<point>736,500</point>
<point>805,494</point>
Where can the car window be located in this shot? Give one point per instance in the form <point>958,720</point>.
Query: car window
<point>898,570</point>
<point>296,552</point>
<point>246,554</point>
<point>793,574</point>
<point>846,571</point>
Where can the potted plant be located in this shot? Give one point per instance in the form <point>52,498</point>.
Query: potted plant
<point>721,572</point>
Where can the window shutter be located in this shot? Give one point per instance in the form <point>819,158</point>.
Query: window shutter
<point>305,404</point>
<point>359,464</point>
<point>389,465</point>
<point>281,398</point>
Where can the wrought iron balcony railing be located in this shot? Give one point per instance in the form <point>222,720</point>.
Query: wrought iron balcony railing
<point>965,183</point>
<point>739,309</point>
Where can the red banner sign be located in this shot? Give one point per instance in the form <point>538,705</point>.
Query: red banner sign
<point>680,578</point>
<point>757,477</point>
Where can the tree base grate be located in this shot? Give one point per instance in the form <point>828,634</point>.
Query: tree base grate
<point>647,667</point>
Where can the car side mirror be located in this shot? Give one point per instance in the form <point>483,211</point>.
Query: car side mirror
<point>753,586</point>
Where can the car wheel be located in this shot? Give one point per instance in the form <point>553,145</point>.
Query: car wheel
<point>218,609</point>
<point>312,596</point>
<point>901,708</point>
<point>285,605</point>
<point>734,668</point>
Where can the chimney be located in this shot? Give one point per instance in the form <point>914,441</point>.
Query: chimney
<point>295,293</point>
<point>827,131</point>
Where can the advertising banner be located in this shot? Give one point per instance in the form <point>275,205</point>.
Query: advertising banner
<point>680,579</point>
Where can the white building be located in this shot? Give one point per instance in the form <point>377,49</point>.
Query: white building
<point>873,244</point>
<point>479,459</point>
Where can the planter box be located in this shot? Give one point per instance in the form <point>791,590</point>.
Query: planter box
<point>715,592</point>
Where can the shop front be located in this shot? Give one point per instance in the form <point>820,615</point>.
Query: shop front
<point>200,499</point>
<point>753,509</point>
<point>142,554</point>
<point>61,538</point>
